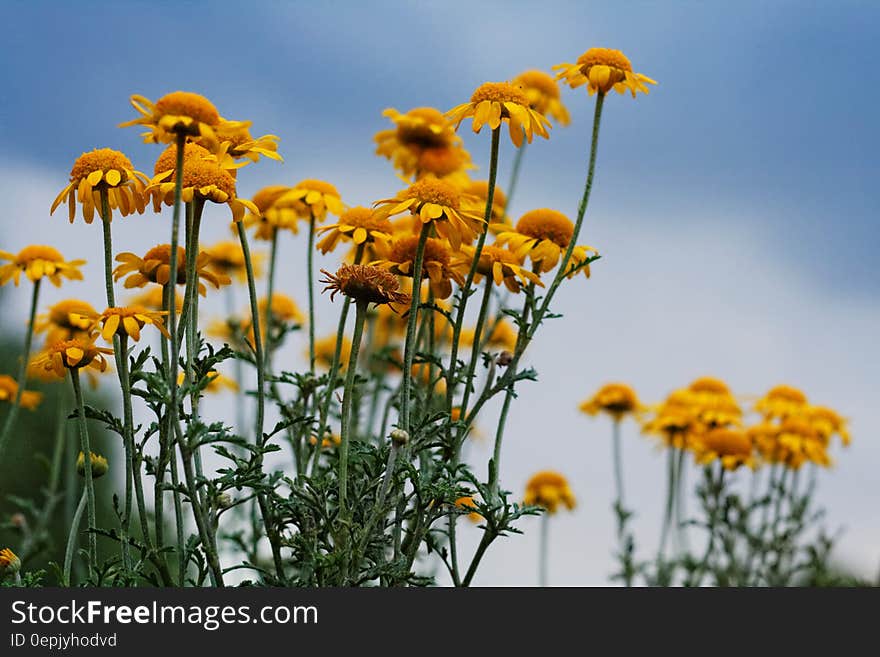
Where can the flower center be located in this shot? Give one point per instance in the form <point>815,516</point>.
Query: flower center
<point>501,92</point>
<point>728,442</point>
<point>200,173</point>
<point>100,159</point>
<point>433,190</point>
<point>362,217</point>
<point>404,250</point>
<point>604,57</point>
<point>125,311</point>
<point>318,186</point>
<point>540,81</point>
<point>162,253</point>
<point>38,252</point>
<point>419,127</point>
<point>787,393</point>
<point>60,313</point>
<point>492,254</point>
<point>89,352</point>
<point>264,198</point>
<point>167,161</point>
<point>546,224</point>
<point>185,103</point>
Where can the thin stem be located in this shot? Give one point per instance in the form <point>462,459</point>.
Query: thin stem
<point>194,210</point>
<point>543,553</point>
<point>514,174</point>
<point>680,503</point>
<point>21,379</point>
<point>71,538</point>
<point>475,349</point>
<point>670,501</point>
<point>270,292</point>
<point>618,465</point>
<point>380,500</point>
<point>715,490</point>
<point>87,473</point>
<point>494,469</point>
<point>310,275</point>
<point>351,372</point>
<point>410,344</point>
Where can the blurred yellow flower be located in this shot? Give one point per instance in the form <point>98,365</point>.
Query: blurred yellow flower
<point>467,502</point>
<point>153,298</point>
<point>828,422</point>
<point>713,403</point>
<point>542,92</point>
<point>603,69</point>
<point>270,218</point>
<point>66,319</point>
<point>359,224</point>
<point>155,267</point>
<point>37,262</point>
<point>312,198</point>
<point>325,349</point>
<point>76,353</point>
<point>30,399</point>
<point>284,309</point>
<point>493,103</point>
<point>103,169</point>
<point>129,320</point>
<point>675,420</point>
<point>781,401</point>
<point>733,447</point>
<point>502,336</point>
<point>549,489</point>
<point>501,264</point>
<point>99,464</point>
<point>423,141</point>
<point>227,258</point>
<point>615,399</point>
<point>475,194</point>
<point>216,382</point>
<point>331,440</point>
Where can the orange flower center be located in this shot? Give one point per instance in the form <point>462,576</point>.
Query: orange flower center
<point>787,393</point>
<point>710,385</point>
<point>604,57</point>
<point>415,128</point>
<point>500,92</point>
<point>433,190</point>
<point>100,159</point>
<point>728,442</point>
<point>37,252</point>
<point>362,217</point>
<point>200,173</point>
<point>442,161</point>
<point>125,311</point>
<point>89,352</point>
<point>492,254</point>
<point>546,224</point>
<point>167,161</point>
<point>539,80</point>
<point>162,253</point>
<point>185,103</point>
<point>404,250</point>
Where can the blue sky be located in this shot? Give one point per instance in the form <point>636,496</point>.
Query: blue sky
<point>735,206</point>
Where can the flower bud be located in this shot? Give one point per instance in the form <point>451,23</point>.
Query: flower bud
<point>504,359</point>
<point>399,437</point>
<point>10,564</point>
<point>223,500</point>
<point>18,521</point>
<point>99,465</point>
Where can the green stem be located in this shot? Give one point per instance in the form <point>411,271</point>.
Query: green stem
<point>618,465</point>
<point>192,321</point>
<point>409,347</point>
<point>680,505</point>
<point>270,292</point>
<point>544,545</point>
<point>87,474</point>
<point>310,275</point>
<point>21,380</point>
<point>670,502</point>
<point>71,538</point>
<point>475,349</point>
<point>106,217</point>
<point>715,489</point>
<point>350,374</point>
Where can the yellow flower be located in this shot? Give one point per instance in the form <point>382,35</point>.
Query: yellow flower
<point>549,489</point>
<point>422,141</point>
<point>467,502</point>
<point>30,399</point>
<point>203,180</point>
<point>603,69</point>
<point>99,464</point>
<point>326,347</point>
<point>542,92</point>
<point>76,353</point>
<point>615,399</point>
<point>437,264</point>
<point>331,440</point>
<point>364,283</point>
<point>10,564</point>
<point>477,191</point>
<point>732,447</point>
<point>103,169</point>
<point>436,201</point>
<point>284,309</point>
<point>129,320</point>
<point>675,420</point>
<point>227,258</point>
<point>312,198</point>
<point>496,102</point>
<point>713,403</point>
<point>270,218</point>
<point>177,113</point>
<point>216,382</point>
<point>66,319</point>
<point>781,401</point>
<point>155,267</point>
<point>543,235</point>
<point>238,147</point>
<point>827,422</point>
<point>38,261</point>
<point>502,265</point>
<point>154,298</point>
<point>359,224</point>
<point>503,335</point>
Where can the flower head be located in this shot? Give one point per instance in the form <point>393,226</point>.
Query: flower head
<point>502,265</point>
<point>466,503</point>
<point>37,262</point>
<point>733,447</point>
<point>502,336</point>
<point>30,399</point>
<point>493,103</point>
<point>544,235</point>
<point>180,113</point>
<point>10,564</point>
<point>129,320</point>
<point>713,404</point>
<point>155,267</point>
<point>603,69</point>
<point>437,263</point>
<point>284,309</point>
<point>154,299</point>
<point>827,422</point>
<point>542,91</point>
<point>781,401</point>
<point>227,258</point>
<point>66,319</point>
<point>312,198</point>
<point>359,224</point>
<point>364,283</point>
<point>422,141</point>
<point>103,169</point>
<point>436,201</point>
<point>477,191</point>
<point>549,489</point>
<point>99,464</point>
<point>675,420</point>
<point>325,349</point>
<point>74,354</point>
<point>614,399</point>
<point>238,147</point>
<point>270,217</point>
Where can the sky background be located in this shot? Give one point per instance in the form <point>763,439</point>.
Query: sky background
<point>735,206</point>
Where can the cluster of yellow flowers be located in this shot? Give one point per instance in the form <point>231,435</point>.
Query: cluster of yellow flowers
<point>706,419</point>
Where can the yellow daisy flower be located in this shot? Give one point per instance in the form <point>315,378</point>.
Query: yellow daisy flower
<point>502,265</point>
<point>103,169</point>
<point>439,202</point>
<point>227,258</point>
<point>37,262</point>
<point>76,353</point>
<point>30,399</point>
<point>177,113</point>
<point>99,464</point>
<point>713,403</point>
<point>615,399</point>
<point>270,218</point>
<point>358,224</point>
<point>542,91</point>
<point>732,447</point>
<point>550,490</point>
<point>312,198</point>
<point>477,191</point>
<point>154,299</point>
<point>828,422</point>
<point>155,267</point>
<point>494,103</point>
<point>543,235</point>
<point>10,564</point>
<point>437,265</point>
<point>782,401</point>
<point>467,502</point>
<point>284,309</point>
<point>238,147</point>
<point>66,319</point>
<point>503,336</point>
<point>422,132</point>
<point>603,69</point>
<point>129,320</point>
<point>675,420</point>
<point>325,348</point>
